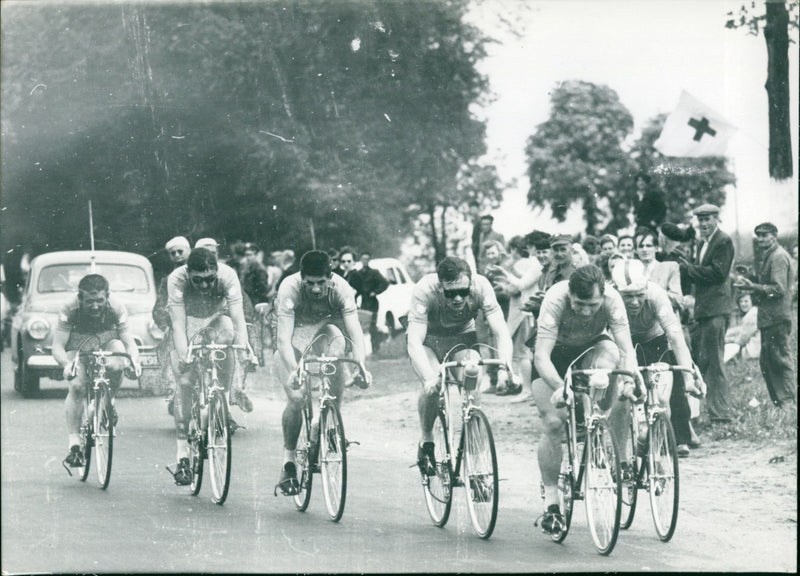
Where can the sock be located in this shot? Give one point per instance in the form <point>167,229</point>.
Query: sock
<point>74,440</point>
<point>183,449</point>
<point>288,455</point>
<point>550,496</point>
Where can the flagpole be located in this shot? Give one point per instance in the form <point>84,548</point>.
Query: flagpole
<point>91,237</point>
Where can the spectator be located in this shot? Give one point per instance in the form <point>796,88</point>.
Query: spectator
<point>368,283</point>
<point>494,259</point>
<point>742,337</point>
<point>651,209</point>
<point>674,242</point>
<point>521,278</point>
<point>608,244</point>
<point>289,265</point>
<point>561,266</point>
<point>625,246</point>
<point>347,262</point>
<point>774,275</point>
<point>253,274</point>
<point>708,271</point>
<point>334,254</point>
<point>487,234</point>
<point>579,255</point>
<point>591,245</point>
<point>665,274</point>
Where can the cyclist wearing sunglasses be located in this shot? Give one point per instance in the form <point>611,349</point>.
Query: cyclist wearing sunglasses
<point>442,315</point>
<point>315,309</point>
<point>203,295</point>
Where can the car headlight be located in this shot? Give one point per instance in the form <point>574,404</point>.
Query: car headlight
<point>156,332</point>
<point>38,328</point>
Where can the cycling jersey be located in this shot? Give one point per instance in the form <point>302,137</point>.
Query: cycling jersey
<point>654,317</point>
<point>293,302</point>
<point>560,324</point>
<point>224,296</point>
<point>111,321</point>
<point>429,306</point>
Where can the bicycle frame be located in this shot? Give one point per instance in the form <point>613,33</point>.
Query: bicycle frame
<point>468,405</point>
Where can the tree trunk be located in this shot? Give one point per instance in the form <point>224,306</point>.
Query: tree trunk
<point>776,34</point>
<point>437,247</point>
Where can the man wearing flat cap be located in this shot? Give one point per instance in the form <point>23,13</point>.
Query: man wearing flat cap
<point>772,286</point>
<point>561,266</point>
<point>708,272</point>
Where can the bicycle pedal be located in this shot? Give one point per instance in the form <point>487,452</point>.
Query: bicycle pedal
<point>348,442</point>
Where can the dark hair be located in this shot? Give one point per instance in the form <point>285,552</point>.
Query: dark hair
<point>488,217</point>
<point>591,244</point>
<point>93,283</point>
<point>451,268</point>
<point>643,232</point>
<point>366,253</point>
<point>347,250</point>
<point>519,244</point>
<point>333,253</point>
<point>315,263</point>
<point>583,280</point>
<point>621,236</point>
<point>540,240</point>
<point>201,259</point>
<point>643,176</point>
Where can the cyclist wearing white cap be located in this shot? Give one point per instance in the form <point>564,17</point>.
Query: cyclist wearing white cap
<point>656,333</point>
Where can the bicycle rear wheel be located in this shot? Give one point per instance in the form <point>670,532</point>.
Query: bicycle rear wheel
<point>439,488</point>
<point>630,477</point>
<point>103,434</point>
<point>480,474</point>
<point>303,459</point>
<point>603,487</point>
<point>197,452</point>
<point>663,476</point>
<point>333,460</point>
<point>219,447</point>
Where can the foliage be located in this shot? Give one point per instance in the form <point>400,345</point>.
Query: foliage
<point>255,121</point>
<point>685,183</point>
<point>576,155</point>
<point>752,17</point>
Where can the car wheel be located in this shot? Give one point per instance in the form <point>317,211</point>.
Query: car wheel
<point>25,381</point>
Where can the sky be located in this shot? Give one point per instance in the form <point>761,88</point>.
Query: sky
<point>648,52</point>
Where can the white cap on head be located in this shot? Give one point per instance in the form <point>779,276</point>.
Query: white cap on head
<point>177,242</point>
<point>629,276</point>
<point>206,243</point>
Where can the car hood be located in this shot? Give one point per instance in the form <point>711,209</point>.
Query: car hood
<point>52,303</point>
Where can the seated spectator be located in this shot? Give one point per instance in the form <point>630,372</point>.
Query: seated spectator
<point>743,337</point>
<point>625,246</point>
<point>608,244</point>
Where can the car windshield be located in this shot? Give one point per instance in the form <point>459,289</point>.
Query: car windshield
<point>65,277</point>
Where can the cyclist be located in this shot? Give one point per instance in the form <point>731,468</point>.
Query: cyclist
<point>577,316</point>
<point>313,307</point>
<point>442,315</point>
<point>656,332</point>
<point>93,320</point>
<point>204,294</point>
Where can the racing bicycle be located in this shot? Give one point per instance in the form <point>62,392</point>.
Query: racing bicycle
<point>473,464</point>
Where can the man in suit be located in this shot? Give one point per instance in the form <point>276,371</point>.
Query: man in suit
<point>708,272</point>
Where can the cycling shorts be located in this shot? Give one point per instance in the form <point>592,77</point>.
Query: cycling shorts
<point>563,355</point>
<point>442,344</point>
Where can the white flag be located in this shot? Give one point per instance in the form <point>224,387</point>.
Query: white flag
<point>694,130</point>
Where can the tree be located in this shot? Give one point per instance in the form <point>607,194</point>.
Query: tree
<point>576,155</point>
<point>775,22</point>
<point>684,183</point>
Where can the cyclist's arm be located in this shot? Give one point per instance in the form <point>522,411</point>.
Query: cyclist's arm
<point>285,348</point>
<point>60,339</point>
<point>627,355</point>
<point>544,365</point>
<point>130,345</point>
<point>353,327</point>
<point>177,315</point>
<point>239,324</point>
<point>499,328</point>
<point>416,351</point>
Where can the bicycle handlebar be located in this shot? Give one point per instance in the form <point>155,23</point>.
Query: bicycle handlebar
<point>667,368</point>
<point>212,347</point>
<point>481,362</point>
<point>323,359</point>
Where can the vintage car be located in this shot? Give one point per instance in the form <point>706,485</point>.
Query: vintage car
<point>53,281</point>
<point>393,303</point>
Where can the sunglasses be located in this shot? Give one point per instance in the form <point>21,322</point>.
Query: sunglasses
<point>204,280</point>
<point>173,252</point>
<point>450,294</point>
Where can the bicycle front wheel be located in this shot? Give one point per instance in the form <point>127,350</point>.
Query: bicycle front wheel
<point>303,458</point>
<point>439,488</point>
<point>86,448</point>
<point>663,476</point>
<point>630,477</point>
<point>333,460</point>
<point>566,488</point>
<point>219,447</point>
<point>197,451</point>
<point>103,434</point>
<point>480,473</point>
<point>603,487</point>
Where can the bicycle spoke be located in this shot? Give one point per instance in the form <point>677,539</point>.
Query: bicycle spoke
<point>663,483</point>
<point>333,461</point>
<point>438,488</point>
<point>603,488</point>
<point>480,474</point>
<point>219,448</point>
